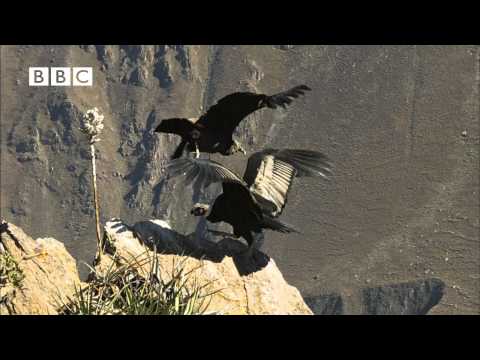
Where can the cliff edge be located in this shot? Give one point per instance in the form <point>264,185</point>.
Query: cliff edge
<point>38,276</point>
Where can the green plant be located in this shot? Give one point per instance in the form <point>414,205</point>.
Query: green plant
<point>10,272</point>
<point>125,289</point>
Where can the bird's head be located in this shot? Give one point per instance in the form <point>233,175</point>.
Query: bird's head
<point>200,209</point>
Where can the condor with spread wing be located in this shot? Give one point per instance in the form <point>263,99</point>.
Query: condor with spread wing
<point>213,131</point>
<point>252,204</point>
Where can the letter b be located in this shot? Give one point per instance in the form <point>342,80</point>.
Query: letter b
<point>60,76</point>
<point>38,76</point>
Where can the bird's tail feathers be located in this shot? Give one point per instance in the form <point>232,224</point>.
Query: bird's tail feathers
<point>277,225</point>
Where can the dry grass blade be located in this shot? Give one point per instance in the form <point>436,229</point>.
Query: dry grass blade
<point>136,287</point>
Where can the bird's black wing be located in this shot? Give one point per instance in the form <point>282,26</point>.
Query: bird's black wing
<point>179,126</point>
<point>285,98</point>
<point>229,111</point>
<point>270,174</point>
<point>201,171</point>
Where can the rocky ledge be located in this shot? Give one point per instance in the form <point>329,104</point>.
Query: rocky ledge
<point>41,274</point>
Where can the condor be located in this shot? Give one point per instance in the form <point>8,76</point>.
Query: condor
<point>253,203</point>
<point>213,131</point>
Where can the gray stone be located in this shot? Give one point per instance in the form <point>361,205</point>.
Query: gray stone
<point>331,304</point>
<point>411,298</point>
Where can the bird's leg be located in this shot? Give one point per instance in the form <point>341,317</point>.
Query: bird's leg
<point>197,151</point>
<point>249,252</point>
<point>251,240</point>
<point>257,239</point>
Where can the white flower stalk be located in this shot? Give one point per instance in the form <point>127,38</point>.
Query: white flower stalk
<point>92,126</point>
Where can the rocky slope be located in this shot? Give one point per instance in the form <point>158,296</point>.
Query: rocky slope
<point>400,124</point>
<point>410,298</point>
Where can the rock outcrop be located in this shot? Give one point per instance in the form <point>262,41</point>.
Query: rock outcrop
<point>49,273</point>
<point>331,304</point>
<point>255,287</point>
<point>408,298</point>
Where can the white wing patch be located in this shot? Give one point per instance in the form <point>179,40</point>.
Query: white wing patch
<point>273,181</point>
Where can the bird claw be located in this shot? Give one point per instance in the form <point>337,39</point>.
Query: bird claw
<point>238,147</point>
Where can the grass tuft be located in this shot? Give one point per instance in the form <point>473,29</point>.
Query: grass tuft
<point>128,289</point>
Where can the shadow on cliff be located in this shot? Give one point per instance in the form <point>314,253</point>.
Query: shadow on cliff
<point>167,241</point>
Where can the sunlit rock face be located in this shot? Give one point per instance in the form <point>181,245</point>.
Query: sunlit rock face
<point>47,274</point>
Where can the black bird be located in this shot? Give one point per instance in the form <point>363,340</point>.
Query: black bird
<point>252,204</point>
<point>213,131</point>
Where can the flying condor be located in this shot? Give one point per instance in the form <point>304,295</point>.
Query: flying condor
<point>253,203</point>
<point>213,131</point>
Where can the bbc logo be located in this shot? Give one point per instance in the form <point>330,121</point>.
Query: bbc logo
<point>60,76</point>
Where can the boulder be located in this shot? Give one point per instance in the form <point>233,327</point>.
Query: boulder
<point>45,273</point>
